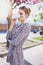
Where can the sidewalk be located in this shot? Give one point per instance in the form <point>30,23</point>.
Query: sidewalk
<point>34,55</point>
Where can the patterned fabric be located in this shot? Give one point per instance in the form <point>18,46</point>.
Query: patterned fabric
<point>16,38</point>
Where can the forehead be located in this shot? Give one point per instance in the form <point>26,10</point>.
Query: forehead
<point>21,11</point>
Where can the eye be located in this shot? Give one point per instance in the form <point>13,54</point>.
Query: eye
<point>21,13</point>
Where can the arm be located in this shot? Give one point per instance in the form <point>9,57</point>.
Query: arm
<point>9,33</point>
<point>23,34</point>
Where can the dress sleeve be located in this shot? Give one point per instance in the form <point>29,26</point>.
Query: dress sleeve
<point>21,36</point>
<point>9,35</point>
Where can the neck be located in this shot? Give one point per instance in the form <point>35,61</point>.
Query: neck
<point>23,22</point>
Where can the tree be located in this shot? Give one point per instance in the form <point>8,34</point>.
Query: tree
<point>39,17</point>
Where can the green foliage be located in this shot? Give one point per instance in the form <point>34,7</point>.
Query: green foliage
<point>35,20</point>
<point>39,17</point>
<point>39,38</point>
<point>42,0</point>
<point>40,7</point>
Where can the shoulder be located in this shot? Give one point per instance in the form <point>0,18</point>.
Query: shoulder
<point>26,25</point>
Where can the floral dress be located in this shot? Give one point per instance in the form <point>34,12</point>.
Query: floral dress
<point>16,38</point>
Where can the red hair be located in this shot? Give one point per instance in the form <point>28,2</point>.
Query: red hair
<point>26,10</point>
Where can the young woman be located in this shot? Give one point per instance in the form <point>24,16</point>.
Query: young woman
<point>16,36</point>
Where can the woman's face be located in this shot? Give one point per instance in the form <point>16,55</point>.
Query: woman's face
<point>22,15</point>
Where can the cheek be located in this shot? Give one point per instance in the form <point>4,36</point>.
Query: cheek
<point>22,17</point>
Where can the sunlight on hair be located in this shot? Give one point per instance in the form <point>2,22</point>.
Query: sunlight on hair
<point>5,7</point>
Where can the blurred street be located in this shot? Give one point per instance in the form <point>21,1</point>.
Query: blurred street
<point>31,35</point>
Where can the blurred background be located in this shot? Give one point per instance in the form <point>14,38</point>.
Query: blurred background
<point>35,19</point>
